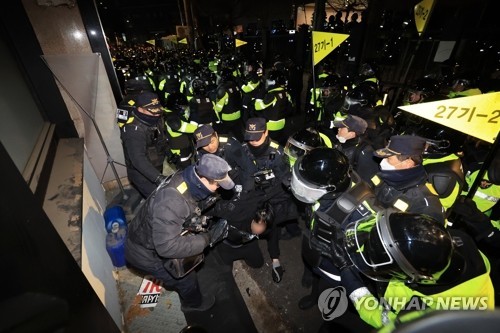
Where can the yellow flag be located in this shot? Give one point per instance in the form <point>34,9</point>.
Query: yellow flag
<point>239,42</point>
<point>183,41</point>
<point>325,42</point>
<point>152,41</point>
<point>478,115</point>
<point>423,11</point>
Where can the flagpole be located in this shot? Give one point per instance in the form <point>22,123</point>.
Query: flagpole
<point>314,83</point>
<point>489,158</point>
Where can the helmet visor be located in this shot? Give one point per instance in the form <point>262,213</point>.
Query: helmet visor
<point>367,251</point>
<point>303,192</point>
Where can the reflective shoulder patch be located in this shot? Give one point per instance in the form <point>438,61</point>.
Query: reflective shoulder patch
<point>375,180</point>
<point>182,188</point>
<point>222,139</point>
<point>431,188</point>
<point>274,145</point>
<point>401,205</point>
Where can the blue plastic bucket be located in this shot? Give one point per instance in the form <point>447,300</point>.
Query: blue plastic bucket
<point>114,218</point>
<point>115,245</point>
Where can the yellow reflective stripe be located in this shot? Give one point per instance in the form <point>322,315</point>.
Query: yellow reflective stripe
<point>162,84</point>
<point>172,133</point>
<point>221,102</point>
<point>274,145</point>
<point>250,86</point>
<point>401,205</point>
<point>450,157</point>
<point>260,105</point>
<point>182,187</point>
<point>187,127</point>
<point>326,139</point>
<point>231,116</point>
<point>375,180</point>
<point>431,188</point>
<point>450,200</point>
<point>276,125</point>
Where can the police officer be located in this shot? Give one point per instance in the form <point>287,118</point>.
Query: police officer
<point>352,142</point>
<point>252,88</point>
<point>208,141</point>
<point>275,106</point>
<point>144,143</point>
<point>228,104</point>
<point>324,180</point>
<point>169,226</point>
<point>264,173</point>
<point>447,264</point>
<point>303,141</point>
<point>201,106</point>
<point>179,130</point>
<point>402,182</point>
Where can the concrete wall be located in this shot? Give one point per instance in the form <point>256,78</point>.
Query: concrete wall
<point>96,263</point>
<point>62,37</point>
<point>86,91</point>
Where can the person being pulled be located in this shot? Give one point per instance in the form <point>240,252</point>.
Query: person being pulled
<point>243,235</point>
<point>167,237</point>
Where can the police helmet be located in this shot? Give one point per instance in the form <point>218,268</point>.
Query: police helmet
<point>463,82</point>
<point>198,86</point>
<point>441,140</point>
<point>494,171</point>
<point>226,74</point>
<point>365,94</point>
<point>414,248</point>
<point>177,102</point>
<point>138,84</point>
<point>368,69</point>
<point>276,79</point>
<point>421,90</point>
<point>330,86</point>
<point>301,142</point>
<point>321,171</point>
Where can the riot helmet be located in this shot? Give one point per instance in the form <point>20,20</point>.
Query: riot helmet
<point>368,69</point>
<point>226,74</point>
<point>441,140</point>
<point>330,86</point>
<point>421,91</point>
<point>301,142</point>
<point>321,171</point>
<point>276,79</point>
<point>414,248</point>
<point>178,103</point>
<point>198,87</point>
<point>362,95</point>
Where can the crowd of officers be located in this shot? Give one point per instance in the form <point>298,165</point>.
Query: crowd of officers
<point>379,197</point>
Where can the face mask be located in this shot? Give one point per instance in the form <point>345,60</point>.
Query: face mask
<point>385,165</point>
<point>341,139</point>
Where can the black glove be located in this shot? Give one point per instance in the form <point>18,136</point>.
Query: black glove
<point>351,280</point>
<point>217,231</point>
<point>339,256</point>
<point>466,208</point>
<point>160,179</point>
<point>195,224</point>
<point>173,159</point>
<point>277,273</point>
<point>320,246</point>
